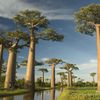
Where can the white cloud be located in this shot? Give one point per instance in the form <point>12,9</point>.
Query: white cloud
<point>92,63</point>
<point>44,59</point>
<point>10,8</point>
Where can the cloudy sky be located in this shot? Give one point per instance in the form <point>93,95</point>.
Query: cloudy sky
<point>76,48</point>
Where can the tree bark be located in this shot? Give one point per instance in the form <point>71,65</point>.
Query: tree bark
<point>11,69</point>
<point>70,79</point>
<point>98,52</point>
<point>30,72</point>
<point>53,76</point>
<point>1,58</point>
<point>68,84</point>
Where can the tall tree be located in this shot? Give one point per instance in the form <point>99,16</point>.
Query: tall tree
<point>43,70</point>
<point>88,21</point>
<point>53,62</point>
<point>62,77</point>
<point>93,75</point>
<point>13,45</point>
<point>3,43</point>
<point>37,24</point>
<point>74,77</point>
<point>69,68</point>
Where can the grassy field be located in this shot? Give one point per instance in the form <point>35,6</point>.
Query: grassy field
<point>12,92</point>
<point>79,94</point>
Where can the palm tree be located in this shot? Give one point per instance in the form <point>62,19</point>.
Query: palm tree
<point>43,70</point>
<point>93,75</point>
<point>88,22</point>
<point>53,62</point>
<point>37,24</point>
<point>69,68</point>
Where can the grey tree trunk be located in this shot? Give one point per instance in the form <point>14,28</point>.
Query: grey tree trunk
<point>11,69</point>
<point>98,52</point>
<point>30,72</point>
<point>53,76</point>
<point>1,58</point>
<point>68,84</point>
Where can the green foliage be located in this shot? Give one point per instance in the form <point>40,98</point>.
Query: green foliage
<point>92,74</point>
<point>50,34</point>
<point>43,69</point>
<point>11,39</point>
<point>87,17</point>
<point>31,18</point>
<point>70,67</point>
<point>39,82</point>
<point>37,24</point>
<point>20,83</point>
<point>37,63</point>
<point>54,61</point>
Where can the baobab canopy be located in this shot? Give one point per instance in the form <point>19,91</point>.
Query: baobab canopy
<point>54,61</point>
<point>87,17</point>
<point>34,20</point>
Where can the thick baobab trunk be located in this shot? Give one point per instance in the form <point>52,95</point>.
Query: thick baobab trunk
<point>1,58</point>
<point>11,69</point>
<point>30,72</point>
<point>68,83</point>
<point>93,80</point>
<point>98,52</point>
<point>53,76</point>
<point>70,79</point>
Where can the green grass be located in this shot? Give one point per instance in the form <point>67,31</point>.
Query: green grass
<point>13,92</point>
<point>79,94</point>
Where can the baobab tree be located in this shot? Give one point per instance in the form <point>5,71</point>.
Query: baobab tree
<point>69,68</point>
<point>37,25</point>
<point>93,75</point>
<point>43,70</point>
<point>74,77</point>
<point>53,62</point>
<point>88,22</point>
<point>61,74</point>
<point>13,45</point>
<point>3,43</point>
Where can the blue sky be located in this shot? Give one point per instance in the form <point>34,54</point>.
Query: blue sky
<point>75,48</point>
